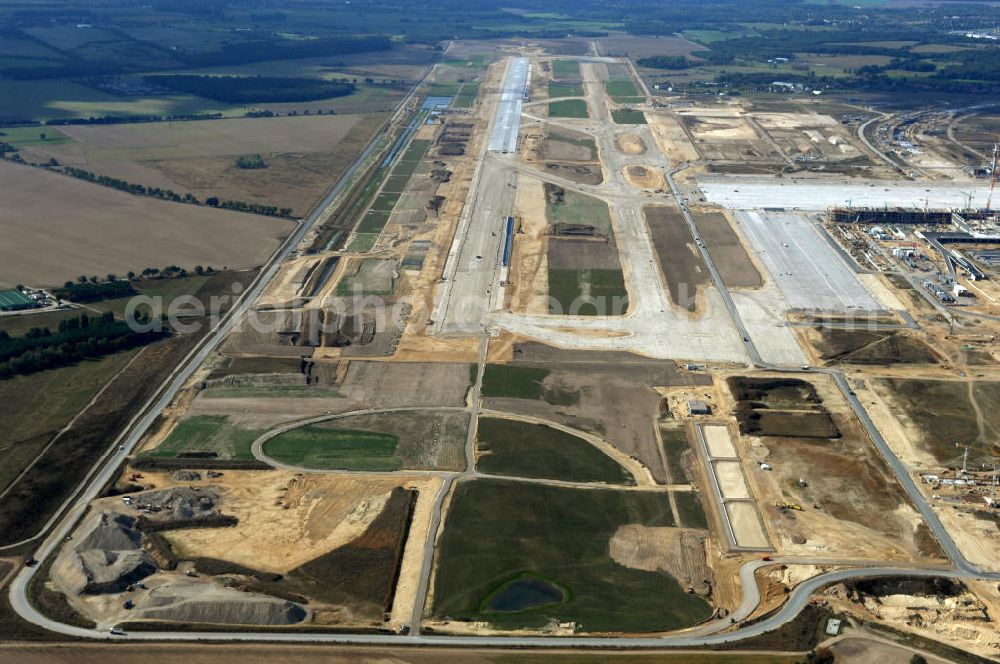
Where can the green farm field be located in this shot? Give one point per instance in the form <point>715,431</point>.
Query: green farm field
<point>557,89</point>
<point>36,406</point>
<point>505,380</point>
<point>570,292</point>
<point>207,433</point>
<point>522,449</point>
<point>628,116</point>
<point>318,447</point>
<point>498,531</point>
<point>568,108</point>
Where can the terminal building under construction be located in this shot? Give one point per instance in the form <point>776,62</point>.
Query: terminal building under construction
<point>897,215</point>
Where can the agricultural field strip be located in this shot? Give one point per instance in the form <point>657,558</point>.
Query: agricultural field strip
<point>747,193</point>
<point>807,270</point>
<point>730,490</point>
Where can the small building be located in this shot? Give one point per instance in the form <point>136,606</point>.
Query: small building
<point>960,291</point>
<point>833,626</point>
<point>696,407</point>
<point>15,300</point>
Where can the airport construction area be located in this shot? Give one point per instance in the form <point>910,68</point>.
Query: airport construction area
<point>566,345</point>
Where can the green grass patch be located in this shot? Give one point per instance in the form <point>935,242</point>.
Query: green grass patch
<point>396,184</point>
<point>524,449</point>
<point>385,201</point>
<point>566,69</point>
<point>557,89</point>
<point>674,445</point>
<point>37,405</point>
<point>288,391</point>
<point>568,108</point>
<point>21,137</point>
<point>577,208</point>
<point>363,242</point>
<point>466,97</point>
<point>507,380</point>
<point>208,433</point>
<point>587,292</point>
<point>627,116</point>
<point>317,447</point>
<point>374,276</point>
<point>623,90</point>
<point>690,510</point>
<point>374,221</point>
<point>443,89</point>
<point>497,531</point>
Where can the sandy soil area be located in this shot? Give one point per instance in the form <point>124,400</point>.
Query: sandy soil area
<point>286,520</point>
<point>679,551</point>
<point>630,143</point>
<point>671,138</point>
<point>527,284</point>
<point>644,177</point>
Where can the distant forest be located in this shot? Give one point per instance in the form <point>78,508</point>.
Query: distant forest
<point>252,89</point>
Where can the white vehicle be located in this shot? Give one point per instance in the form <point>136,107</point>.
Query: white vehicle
<point>117,631</point>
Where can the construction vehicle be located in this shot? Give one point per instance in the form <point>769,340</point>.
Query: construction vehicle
<point>788,506</point>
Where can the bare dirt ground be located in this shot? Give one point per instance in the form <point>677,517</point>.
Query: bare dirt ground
<point>671,138</point>
<point>287,519</point>
<point>644,177</point>
<point>365,385</point>
<point>679,551</point>
<point>851,505</point>
<point>682,266</point>
<point>630,143</point>
<point>304,153</point>
<point>78,224</point>
<point>733,261</point>
<point>527,284</point>
<point>613,400</point>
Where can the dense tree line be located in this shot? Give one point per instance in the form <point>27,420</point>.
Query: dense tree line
<point>129,187</point>
<point>171,195</point>
<point>252,89</point>
<point>130,119</point>
<point>230,54</point>
<point>89,291</point>
<point>665,62</point>
<point>76,339</point>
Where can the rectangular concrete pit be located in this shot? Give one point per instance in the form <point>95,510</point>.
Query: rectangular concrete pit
<point>747,528</point>
<point>729,489</point>
<point>720,443</point>
<point>731,480</point>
